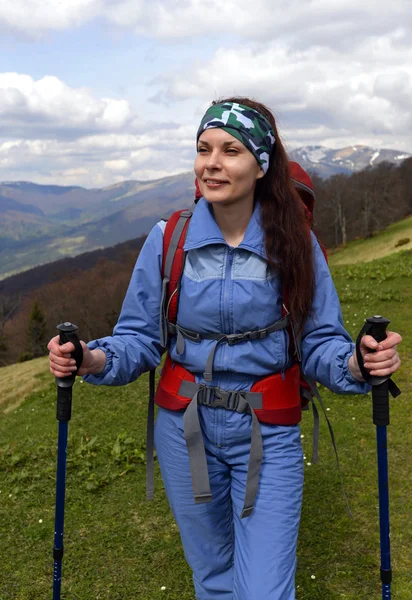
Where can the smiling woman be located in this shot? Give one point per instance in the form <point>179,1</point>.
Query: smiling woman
<point>254,308</point>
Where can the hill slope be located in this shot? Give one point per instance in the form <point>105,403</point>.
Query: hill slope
<point>385,243</point>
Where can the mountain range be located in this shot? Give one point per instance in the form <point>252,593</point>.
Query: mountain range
<point>43,223</point>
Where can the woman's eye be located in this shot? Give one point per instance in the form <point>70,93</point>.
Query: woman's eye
<point>232,150</point>
<point>202,150</point>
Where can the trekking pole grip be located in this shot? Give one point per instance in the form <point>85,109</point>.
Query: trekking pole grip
<point>376,327</point>
<point>65,384</point>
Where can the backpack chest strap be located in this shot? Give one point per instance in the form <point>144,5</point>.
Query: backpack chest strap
<point>230,338</point>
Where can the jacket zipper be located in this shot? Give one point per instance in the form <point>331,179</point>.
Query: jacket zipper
<point>226,308</point>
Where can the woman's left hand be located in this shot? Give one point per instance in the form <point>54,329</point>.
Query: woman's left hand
<point>381,363</point>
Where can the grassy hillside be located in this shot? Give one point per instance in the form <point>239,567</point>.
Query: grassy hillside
<point>379,246</point>
<point>119,546</point>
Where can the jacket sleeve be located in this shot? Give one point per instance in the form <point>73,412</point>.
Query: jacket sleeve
<point>326,345</point>
<point>135,346</point>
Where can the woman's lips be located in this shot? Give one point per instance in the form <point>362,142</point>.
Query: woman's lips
<point>211,183</point>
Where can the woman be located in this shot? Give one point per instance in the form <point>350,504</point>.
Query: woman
<point>247,241</point>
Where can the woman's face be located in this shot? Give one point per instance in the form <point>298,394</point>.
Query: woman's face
<point>226,170</point>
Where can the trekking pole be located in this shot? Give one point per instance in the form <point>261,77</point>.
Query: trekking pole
<point>64,409</point>
<point>381,388</point>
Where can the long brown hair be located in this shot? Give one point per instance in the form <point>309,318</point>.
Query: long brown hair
<point>287,231</point>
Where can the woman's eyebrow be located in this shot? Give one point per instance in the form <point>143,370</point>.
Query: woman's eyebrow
<point>225,144</point>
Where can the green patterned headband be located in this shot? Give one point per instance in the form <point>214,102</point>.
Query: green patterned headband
<point>246,125</point>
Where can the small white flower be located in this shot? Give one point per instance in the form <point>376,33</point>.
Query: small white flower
<point>353,418</point>
<point>40,520</point>
<point>304,457</point>
<point>328,409</point>
<point>309,464</point>
<point>81,381</point>
<point>10,495</point>
<point>302,436</point>
<point>313,576</point>
<point>163,588</point>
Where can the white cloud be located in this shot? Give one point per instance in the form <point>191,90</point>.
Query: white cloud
<point>81,163</point>
<point>341,22</point>
<point>335,73</point>
<point>318,94</point>
<point>33,17</point>
<point>53,133</point>
<point>49,107</point>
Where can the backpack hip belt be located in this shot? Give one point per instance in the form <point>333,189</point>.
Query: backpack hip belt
<point>274,399</point>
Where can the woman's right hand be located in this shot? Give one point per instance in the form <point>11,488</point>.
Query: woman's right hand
<point>62,365</point>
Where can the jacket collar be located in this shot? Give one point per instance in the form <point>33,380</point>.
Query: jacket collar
<point>204,230</point>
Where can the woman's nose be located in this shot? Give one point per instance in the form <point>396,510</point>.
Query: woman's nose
<point>213,161</point>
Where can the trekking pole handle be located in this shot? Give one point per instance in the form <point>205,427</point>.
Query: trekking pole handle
<point>376,327</point>
<point>381,386</point>
<point>64,384</point>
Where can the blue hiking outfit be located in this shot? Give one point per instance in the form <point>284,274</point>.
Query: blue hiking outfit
<point>230,290</point>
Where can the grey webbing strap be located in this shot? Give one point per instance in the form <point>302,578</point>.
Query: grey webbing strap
<point>180,342</point>
<point>315,444</point>
<point>223,398</point>
<point>167,269</point>
<point>240,402</point>
<point>229,338</point>
<point>316,430</point>
<point>297,340</point>
<point>150,439</point>
<point>163,317</point>
<point>255,461</point>
<point>197,454</point>
<point>208,374</point>
<point>315,392</point>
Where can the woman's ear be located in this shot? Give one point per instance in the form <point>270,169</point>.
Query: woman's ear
<point>260,174</point>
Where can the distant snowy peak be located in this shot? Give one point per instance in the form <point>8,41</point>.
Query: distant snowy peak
<point>328,161</point>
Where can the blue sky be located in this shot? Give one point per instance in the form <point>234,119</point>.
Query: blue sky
<point>95,91</point>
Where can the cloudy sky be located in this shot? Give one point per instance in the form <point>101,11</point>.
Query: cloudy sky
<point>93,92</point>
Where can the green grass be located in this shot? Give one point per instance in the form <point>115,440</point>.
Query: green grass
<point>119,546</point>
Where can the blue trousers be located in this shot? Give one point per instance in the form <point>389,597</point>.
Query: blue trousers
<point>231,558</point>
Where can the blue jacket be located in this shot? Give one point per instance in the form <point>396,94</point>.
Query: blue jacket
<point>227,290</point>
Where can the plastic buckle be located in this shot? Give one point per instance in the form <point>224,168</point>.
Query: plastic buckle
<point>204,394</point>
<point>230,398</point>
<point>253,335</point>
<point>233,338</point>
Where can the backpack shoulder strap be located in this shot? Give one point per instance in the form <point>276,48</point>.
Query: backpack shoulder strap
<point>172,267</point>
